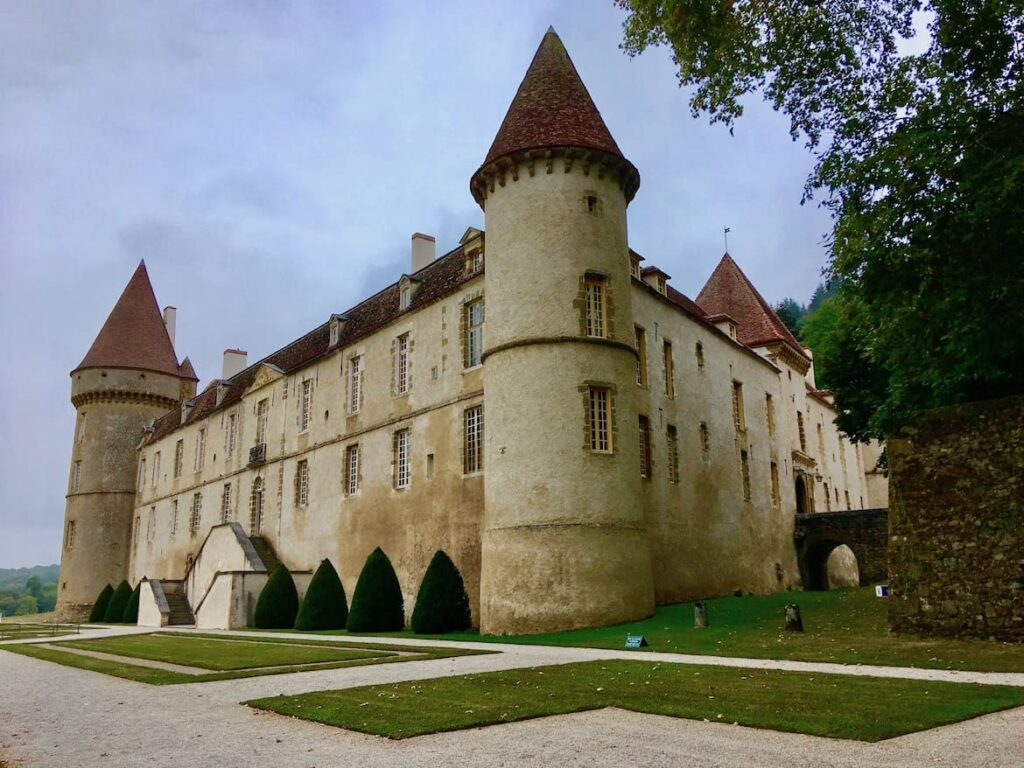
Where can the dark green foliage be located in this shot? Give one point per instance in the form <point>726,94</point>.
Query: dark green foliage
<point>131,609</point>
<point>38,582</point>
<point>377,604</point>
<point>118,601</point>
<point>278,602</point>
<point>99,608</point>
<point>324,606</point>
<point>442,604</point>
<point>790,313</point>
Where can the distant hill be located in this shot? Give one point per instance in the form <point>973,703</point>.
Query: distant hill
<point>13,579</point>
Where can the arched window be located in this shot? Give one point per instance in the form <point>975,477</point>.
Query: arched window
<point>256,507</point>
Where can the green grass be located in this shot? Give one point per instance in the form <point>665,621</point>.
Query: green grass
<point>837,706</point>
<point>227,659</point>
<point>844,626</point>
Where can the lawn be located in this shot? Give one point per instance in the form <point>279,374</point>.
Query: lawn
<point>837,706</point>
<point>847,626</point>
<point>227,659</point>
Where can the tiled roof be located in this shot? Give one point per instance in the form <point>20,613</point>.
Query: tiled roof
<point>187,371</point>
<point>134,335</point>
<point>552,108</point>
<point>728,291</point>
<point>436,281</point>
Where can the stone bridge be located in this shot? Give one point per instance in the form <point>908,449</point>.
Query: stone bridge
<point>865,531</point>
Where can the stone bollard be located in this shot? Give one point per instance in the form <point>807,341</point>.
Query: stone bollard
<point>700,613</point>
<point>793,621</point>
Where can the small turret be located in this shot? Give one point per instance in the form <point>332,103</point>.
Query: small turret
<point>129,376</point>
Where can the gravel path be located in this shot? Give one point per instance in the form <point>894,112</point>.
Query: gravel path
<point>51,715</point>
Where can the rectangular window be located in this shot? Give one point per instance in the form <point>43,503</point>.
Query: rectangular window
<point>842,453</point>
<point>641,356</point>
<point>229,441</point>
<point>745,470</point>
<point>673,455</point>
<point>200,449</point>
<point>69,535</point>
<point>600,420</point>
<point>174,517</point>
<point>80,432</point>
<point>179,452</point>
<point>474,262</point>
<point>821,444</point>
<point>705,439</point>
<point>401,459</point>
<point>800,430</point>
<point>352,470</point>
<point>135,531</point>
<point>634,267</point>
<point>847,495</point>
<point>699,350</point>
<point>225,504</point>
<point>738,418</point>
<point>645,447</point>
<point>156,468</point>
<point>828,499</point>
<point>262,408</point>
<point>769,412</point>
<point>305,404</point>
<point>402,364</point>
<point>355,383</point>
<point>775,485</point>
<point>142,472</point>
<point>197,513</point>
<point>669,370</point>
<point>596,325</point>
<point>473,455</point>
<point>474,333</point>
<point>151,524</point>
<point>302,484</point>
<point>76,477</point>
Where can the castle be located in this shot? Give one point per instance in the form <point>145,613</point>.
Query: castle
<point>582,439</point>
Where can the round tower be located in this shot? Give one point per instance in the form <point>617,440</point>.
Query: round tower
<point>564,541</point>
<point>129,377</point>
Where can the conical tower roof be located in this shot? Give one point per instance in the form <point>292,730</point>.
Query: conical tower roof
<point>134,335</point>
<point>729,292</point>
<point>553,110</point>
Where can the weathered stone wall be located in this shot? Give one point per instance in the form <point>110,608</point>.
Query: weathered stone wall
<point>818,534</point>
<point>956,550</point>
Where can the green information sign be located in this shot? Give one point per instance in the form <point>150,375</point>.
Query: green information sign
<point>636,641</point>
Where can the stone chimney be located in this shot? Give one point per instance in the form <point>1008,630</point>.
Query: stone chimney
<point>235,361</point>
<point>424,249</point>
<point>170,318</point>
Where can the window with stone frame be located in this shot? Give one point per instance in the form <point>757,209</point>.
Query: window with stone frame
<point>705,439</point>
<point>225,504</point>
<point>776,500</point>
<point>474,261</point>
<point>305,404</point>
<point>645,447</point>
<point>136,524</point>
<point>404,297</point>
<point>400,450</point>
<point>745,472</point>
<point>351,469</point>
<point>256,507</point>
<point>641,356</point>
<point>847,495</point>
<point>800,431</point>
<point>738,416</point>
<point>672,441</point>
<point>769,413</point>
<point>174,516</point>
<point>179,456</point>
<point>474,337</point>
<point>699,352</point>
<point>142,473</point>
<point>151,524</point>
<point>262,413</point>
<point>197,513</point>
<point>80,429</point>
<point>402,364</point>
<point>473,440</point>
<point>596,312</point>
<point>302,484</point>
<point>669,370</point>
<point>355,383</point>
<point>200,456</point>
<point>156,468</point>
<point>828,499</point>
<point>69,535</point>
<point>600,412</point>
<point>76,476</point>
<point>230,437</point>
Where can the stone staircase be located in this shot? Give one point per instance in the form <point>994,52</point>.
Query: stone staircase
<point>266,552</point>
<point>181,613</point>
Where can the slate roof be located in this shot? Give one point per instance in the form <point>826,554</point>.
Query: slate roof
<point>134,335</point>
<point>439,279</point>
<point>728,291</point>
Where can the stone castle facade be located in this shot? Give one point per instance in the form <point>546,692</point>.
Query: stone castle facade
<point>583,440</point>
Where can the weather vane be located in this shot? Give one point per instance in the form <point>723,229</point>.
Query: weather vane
<point>725,234</point>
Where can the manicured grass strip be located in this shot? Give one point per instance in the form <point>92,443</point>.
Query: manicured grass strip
<point>219,655</point>
<point>838,706</point>
<point>843,626</point>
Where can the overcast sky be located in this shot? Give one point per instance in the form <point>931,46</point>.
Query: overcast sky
<point>269,161</point>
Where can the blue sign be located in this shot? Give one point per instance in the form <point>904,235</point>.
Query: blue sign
<point>636,641</point>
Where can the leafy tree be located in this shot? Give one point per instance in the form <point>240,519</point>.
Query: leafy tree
<point>99,608</point>
<point>26,606</point>
<point>377,603</point>
<point>920,159</point>
<point>278,602</point>
<point>34,586</point>
<point>791,314</point>
<point>115,608</point>
<point>441,604</point>
<point>131,608</point>
<point>324,606</point>
<point>818,331</point>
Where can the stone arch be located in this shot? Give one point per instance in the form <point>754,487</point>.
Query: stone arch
<point>864,531</point>
<point>814,562</point>
<point>800,489</point>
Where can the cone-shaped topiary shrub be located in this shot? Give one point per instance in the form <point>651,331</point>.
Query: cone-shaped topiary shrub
<point>442,604</point>
<point>324,605</point>
<point>278,602</point>
<point>115,608</point>
<point>377,604</point>
<point>99,608</point>
<point>131,608</point>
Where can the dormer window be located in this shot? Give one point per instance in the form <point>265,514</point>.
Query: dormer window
<point>406,290</point>
<point>337,324</point>
<point>662,285</point>
<point>634,266</point>
<point>474,261</point>
<point>405,297</point>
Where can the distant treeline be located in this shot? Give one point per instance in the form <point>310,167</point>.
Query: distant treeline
<point>28,590</point>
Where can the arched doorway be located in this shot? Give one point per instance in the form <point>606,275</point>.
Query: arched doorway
<point>801,495</point>
<point>829,564</point>
<point>256,507</point>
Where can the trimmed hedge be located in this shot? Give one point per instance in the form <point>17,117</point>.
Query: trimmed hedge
<point>118,601</point>
<point>99,608</point>
<point>442,604</point>
<point>278,602</point>
<point>377,604</point>
<point>324,606</point>
<point>131,609</point>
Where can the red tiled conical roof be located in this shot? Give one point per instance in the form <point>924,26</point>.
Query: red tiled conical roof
<point>134,335</point>
<point>729,292</point>
<point>187,371</point>
<point>552,108</point>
